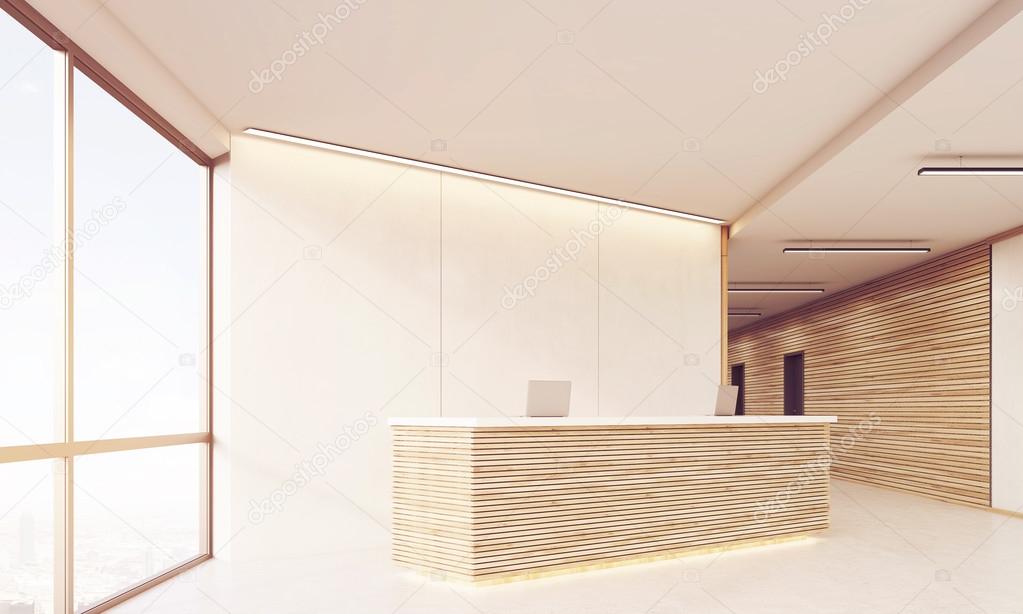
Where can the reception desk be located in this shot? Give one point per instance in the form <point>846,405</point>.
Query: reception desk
<point>483,499</point>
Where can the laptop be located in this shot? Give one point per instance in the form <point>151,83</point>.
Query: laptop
<point>548,398</point>
<point>728,398</point>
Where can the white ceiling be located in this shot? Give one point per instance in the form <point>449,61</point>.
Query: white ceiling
<point>648,100</point>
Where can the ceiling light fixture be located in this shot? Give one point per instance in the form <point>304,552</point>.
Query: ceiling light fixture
<point>476,175</point>
<point>980,171</point>
<point>856,250</point>
<point>776,290</point>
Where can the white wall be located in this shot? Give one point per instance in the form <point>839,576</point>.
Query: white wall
<point>1007,374</point>
<point>350,290</point>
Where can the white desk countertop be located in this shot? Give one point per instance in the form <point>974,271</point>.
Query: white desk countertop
<point>523,421</point>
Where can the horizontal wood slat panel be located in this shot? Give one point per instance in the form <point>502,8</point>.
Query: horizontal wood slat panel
<point>481,503</point>
<point>904,361</point>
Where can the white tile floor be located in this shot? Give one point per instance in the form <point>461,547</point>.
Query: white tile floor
<point>885,552</point>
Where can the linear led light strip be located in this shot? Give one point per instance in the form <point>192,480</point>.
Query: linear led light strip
<point>776,290</point>
<point>994,171</point>
<point>475,175</point>
<point>856,250</point>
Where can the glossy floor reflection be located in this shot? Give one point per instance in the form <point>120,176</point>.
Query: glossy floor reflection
<point>886,552</point>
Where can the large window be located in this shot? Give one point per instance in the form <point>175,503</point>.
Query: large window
<point>104,424</point>
<point>139,283</point>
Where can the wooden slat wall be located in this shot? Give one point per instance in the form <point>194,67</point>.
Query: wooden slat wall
<point>904,362</point>
<point>485,503</point>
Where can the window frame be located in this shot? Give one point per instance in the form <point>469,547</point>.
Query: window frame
<point>74,57</point>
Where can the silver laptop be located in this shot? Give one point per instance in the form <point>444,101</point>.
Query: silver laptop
<point>548,398</point>
<point>728,398</point>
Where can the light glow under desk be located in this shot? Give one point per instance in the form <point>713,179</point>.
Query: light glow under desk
<point>484,499</point>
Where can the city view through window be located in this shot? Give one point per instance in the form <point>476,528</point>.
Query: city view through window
<point>90,510</point>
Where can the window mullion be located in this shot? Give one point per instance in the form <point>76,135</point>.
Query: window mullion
<point>64,515</point>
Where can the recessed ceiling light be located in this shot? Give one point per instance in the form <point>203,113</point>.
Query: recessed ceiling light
<point>776,290</point>
<point>995,171</point>
<point>856,250</point>
<point>476,175</point>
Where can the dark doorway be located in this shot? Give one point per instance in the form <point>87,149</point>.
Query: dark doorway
<point>739,379</point>
<point>794,384</point>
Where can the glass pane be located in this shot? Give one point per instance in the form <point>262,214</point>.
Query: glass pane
<point>26,536</point>
<point>137,514</point>
<point>139,275</point>
<point>31,226</point>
